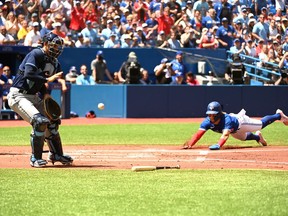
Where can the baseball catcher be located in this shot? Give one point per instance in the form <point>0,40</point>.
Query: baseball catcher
<point>240,126</point>
<point>39,67</point>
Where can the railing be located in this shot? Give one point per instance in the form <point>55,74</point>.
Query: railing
<point>258,73</point>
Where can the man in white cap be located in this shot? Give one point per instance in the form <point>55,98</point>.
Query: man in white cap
<point>33,37</point>
<point>111,28</point>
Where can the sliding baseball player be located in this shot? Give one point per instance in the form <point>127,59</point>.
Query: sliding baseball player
<point>239,126</point>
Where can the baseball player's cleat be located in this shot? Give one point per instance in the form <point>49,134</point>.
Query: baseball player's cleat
<point>64,159</point>
<point>262,141</point>
<point>214,147</point>
<point>38,163</point>
<point>284,118</point>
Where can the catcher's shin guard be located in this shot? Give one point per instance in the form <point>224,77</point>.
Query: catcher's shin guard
<point>56,150</point>
<point>39,124</point>
<point>37,143</point>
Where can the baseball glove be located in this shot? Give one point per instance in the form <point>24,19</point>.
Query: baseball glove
<point>52,109</point>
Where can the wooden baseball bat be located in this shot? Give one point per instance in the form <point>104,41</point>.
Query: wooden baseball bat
<point>152,168</point>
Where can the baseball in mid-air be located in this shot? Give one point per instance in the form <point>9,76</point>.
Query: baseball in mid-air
<point>101,106</point>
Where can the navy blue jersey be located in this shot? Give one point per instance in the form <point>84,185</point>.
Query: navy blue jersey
<point>34,70</point>
<point>226,122</point>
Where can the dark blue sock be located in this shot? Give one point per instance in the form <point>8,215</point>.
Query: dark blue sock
<point>251,136</point>
<point>266,120</point>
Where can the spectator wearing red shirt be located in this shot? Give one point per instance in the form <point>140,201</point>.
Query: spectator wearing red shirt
<point>191,79</point>
<point>77,16</point>
<point>207,40</point>
<point>92,12</point>
<point>259,47</point>
<point>165,22</point>
<point>141,9</point>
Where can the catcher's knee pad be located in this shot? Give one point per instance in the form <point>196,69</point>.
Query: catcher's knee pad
<point>54,126</point>
<point>39,123</point>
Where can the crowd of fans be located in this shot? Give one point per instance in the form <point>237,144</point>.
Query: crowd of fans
<point>162,23</point>
<point>258,28</point>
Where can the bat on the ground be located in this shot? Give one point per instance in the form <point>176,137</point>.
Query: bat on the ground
<point>151,168</point>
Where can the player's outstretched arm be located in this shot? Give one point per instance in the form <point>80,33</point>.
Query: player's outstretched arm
<point>222,140</point>
<point>197,136</point>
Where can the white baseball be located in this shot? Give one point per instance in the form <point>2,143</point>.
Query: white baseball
<point>101,106</point>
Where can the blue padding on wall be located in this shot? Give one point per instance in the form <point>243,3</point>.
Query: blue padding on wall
<point>86,98</point>
<point>147,101</point>
<point>264,100</point>
<point>186,101</point>
<point>168,101</point>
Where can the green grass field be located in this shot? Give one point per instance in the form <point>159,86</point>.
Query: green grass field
<point>150,134</point>
<point>66,191</point>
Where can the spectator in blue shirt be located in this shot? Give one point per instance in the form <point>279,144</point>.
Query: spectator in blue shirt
<point>210,20</point>
<point>223,9</point>
<point>261,29</point>
<point>154,6</point>
<point>238,47</point>
<point>90,33</point>
<point>178,67</point>
<point>225,34</point>
<point>285,44</point>
<point>201,6</point>
<point>111,28</point>
<point>84,78</point>
<point>112,42</point>
<point>259,4</point>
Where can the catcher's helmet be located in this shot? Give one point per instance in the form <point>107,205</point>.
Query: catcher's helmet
<point>214,108</point>
<point>54,43</point>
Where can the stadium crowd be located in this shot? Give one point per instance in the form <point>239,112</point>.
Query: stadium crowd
<point>258,28</point>
<point>173,24</point>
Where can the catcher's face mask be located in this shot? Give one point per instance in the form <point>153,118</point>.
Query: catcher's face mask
<point>54,45</point>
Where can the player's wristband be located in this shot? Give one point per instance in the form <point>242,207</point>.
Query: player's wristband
<point>221,142</point>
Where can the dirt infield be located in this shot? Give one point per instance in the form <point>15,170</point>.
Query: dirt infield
<point>124,157</point>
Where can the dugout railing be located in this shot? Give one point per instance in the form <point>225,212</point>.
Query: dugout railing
<point>264,74</point>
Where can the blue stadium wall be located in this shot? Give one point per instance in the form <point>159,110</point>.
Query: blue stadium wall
<point>134,101</point>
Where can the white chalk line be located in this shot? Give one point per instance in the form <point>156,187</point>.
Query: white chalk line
<point>146,155</point>
<point>189,151</point>
<point>198,159</point>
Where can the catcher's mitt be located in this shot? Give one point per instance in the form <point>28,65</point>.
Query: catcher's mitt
<point>52,109</point>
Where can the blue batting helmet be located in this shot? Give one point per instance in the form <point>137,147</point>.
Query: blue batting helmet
<point>214,108</point>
